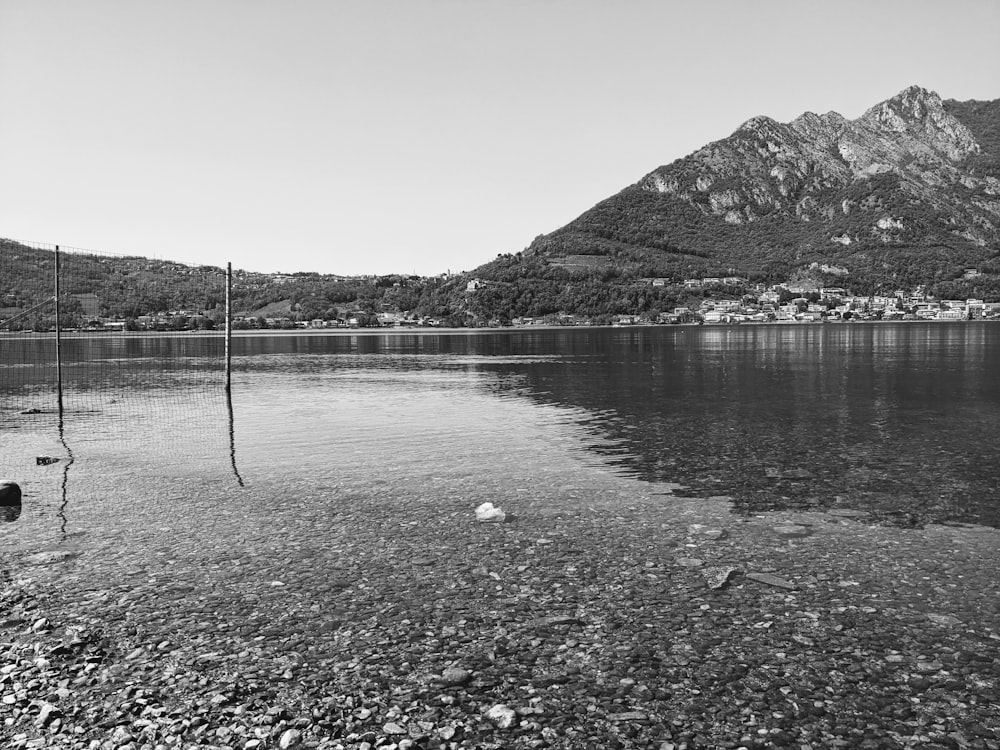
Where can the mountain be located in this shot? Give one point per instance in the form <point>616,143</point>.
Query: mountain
<point>906,194</point>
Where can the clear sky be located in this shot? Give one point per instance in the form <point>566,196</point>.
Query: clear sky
<point>415,136</point>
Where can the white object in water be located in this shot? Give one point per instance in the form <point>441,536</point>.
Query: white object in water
<point>488,513</point>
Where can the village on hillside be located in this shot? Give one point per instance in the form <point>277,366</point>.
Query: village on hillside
<point>758,303</point>
<point>793,303</point>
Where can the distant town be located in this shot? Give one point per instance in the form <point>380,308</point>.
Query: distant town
<point>735,300</point>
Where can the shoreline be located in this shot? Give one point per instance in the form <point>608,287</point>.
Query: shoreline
<point>428,331</point>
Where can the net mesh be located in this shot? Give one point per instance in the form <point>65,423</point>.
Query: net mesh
<point>137,361</point>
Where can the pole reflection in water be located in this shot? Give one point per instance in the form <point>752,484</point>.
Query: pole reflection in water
<point>64,502</point>
<point>232,437</point>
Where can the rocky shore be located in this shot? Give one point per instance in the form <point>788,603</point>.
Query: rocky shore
<point>589,619</point>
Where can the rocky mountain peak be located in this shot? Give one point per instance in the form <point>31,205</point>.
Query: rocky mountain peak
<point>760,124</point>
<point>912,171</point>
<point>912,104</point>
<point>918,114</point>
<point>910,135</point>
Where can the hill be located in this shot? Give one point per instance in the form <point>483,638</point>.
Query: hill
<point>127,288</point>
<point>907,194</point>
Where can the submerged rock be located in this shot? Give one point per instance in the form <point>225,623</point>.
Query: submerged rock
<point>10,493</point>
<point>797,474</point>
<point>792,531</point>
<point>947,621</point>
<point>49,557</point>
<point>771,580</point>
<point>707,532</point>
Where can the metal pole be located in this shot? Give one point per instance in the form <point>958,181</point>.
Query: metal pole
<point>59,383</point>
<point>229,372</point>
<point>229,328</point>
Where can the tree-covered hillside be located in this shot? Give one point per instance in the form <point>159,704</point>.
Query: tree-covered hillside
<point>131,287</point>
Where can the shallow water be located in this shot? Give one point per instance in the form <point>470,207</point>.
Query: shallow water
<point>896,420</point>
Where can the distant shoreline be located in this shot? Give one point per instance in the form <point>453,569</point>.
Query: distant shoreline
<point>425,331</point>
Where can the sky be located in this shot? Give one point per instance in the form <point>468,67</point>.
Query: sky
<point>415,136</point>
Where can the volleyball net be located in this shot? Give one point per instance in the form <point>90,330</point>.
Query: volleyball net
<point>128,349</point>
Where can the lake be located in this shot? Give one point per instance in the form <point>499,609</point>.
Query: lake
<point>896,420</point>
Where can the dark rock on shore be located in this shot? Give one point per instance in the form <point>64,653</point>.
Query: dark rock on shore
<point>10,493</point>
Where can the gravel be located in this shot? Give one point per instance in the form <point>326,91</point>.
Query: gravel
<point>394,621</point>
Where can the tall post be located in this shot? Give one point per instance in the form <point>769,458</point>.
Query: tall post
<point>59,382</point>
<point>229,372</point>
<point>229,328</point>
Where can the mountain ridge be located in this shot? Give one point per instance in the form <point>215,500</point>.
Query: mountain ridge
<point>909,192</point>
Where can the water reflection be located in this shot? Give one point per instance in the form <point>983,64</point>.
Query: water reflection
<point>232,437</point>
<point>64,501</point>
<point>896,419</point>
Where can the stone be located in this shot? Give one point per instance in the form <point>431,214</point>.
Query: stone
<point>847,513</point>
<point>771,580</point>
<point>455,676</point>
<point>121,736</point>
<point>944,620</point>
<point>46,715</point>
<point>488,513</point>
<point>392,728</point>
<point>628,716</point>
<point>10,493</point>
<point>49,557</point>
<point>290,738</point>
<point>689,562</point>
<point>45,460</point>
<point>797,474</point>
<point>558,620</point>
<point>501,716</point>
<point>716,576</point>
<point>792,531</point>
<point>707,532</point>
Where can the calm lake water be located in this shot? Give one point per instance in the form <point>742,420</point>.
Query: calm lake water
<point>900,421</point>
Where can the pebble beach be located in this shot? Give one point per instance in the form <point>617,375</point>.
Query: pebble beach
<point>599,614</point>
